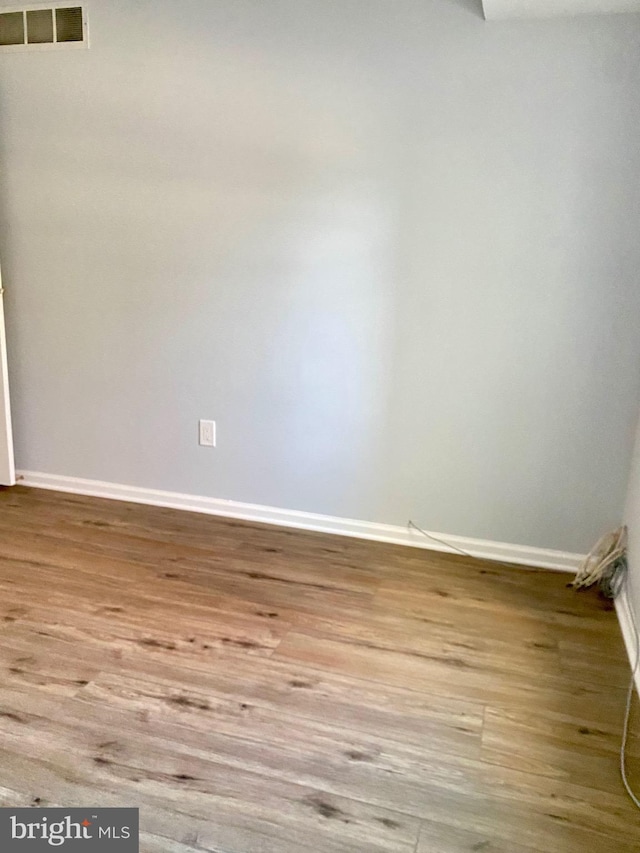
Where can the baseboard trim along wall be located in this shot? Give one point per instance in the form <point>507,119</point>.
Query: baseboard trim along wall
<point>500,551</point>
<point>623,610</point>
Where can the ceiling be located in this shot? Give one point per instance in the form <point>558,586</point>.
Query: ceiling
<point>495,10</point>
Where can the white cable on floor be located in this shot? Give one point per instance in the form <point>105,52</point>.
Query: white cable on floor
<point>441,541</point>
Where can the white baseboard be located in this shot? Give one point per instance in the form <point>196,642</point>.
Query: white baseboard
<point>623,609</point>
<point>500,551</point>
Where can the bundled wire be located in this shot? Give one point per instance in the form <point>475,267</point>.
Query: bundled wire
<point>605,564</point>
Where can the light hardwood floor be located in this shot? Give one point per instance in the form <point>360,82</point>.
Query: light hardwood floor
<point>260,690</point>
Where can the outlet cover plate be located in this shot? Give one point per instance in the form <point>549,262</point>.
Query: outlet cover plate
<point>207,433</point>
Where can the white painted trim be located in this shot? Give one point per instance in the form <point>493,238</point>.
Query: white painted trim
<point>496,10</point>
<point>7,464</point>
<point>39,48</point>
<point>623,609</point>
<point>500,551</point>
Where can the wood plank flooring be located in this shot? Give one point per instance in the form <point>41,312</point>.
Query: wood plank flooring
<point>254,689</point>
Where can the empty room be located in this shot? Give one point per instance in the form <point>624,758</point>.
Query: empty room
<point>319,426</point>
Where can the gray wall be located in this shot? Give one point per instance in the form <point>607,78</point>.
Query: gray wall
<point>392,249</point>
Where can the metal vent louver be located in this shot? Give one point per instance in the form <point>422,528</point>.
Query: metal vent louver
<point>69,24</point>
<point>11,28</point>
<point>40,26</point>
<point>43,27</point>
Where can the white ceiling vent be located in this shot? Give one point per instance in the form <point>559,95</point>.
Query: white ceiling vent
<point>51,26</point>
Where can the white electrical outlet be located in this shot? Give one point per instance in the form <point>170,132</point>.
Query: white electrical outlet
<point>207,433</point>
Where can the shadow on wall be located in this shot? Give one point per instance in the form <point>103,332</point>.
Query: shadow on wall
<point>472,6</point>
<point>237,250</point>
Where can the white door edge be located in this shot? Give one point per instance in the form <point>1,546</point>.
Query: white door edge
<point>7,464</point>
